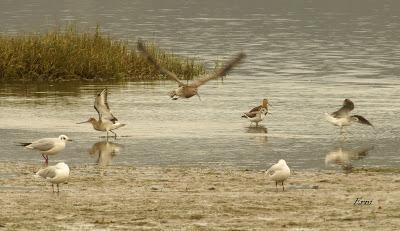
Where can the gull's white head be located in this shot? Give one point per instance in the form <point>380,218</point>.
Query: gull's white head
<point>282,161</point>
<point>64,138</point>
<point>62,165</point>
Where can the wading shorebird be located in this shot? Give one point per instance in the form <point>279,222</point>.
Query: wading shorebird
<point>55,174</point>
<point>188,90</point>
<point>342,117</point>
<point>107,121</point>
<point>257,117</point>
<point>279,173</point>
<point>48,146</point>
<point>254,111</point>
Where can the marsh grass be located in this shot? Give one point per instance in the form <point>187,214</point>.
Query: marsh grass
<point>68,55</point>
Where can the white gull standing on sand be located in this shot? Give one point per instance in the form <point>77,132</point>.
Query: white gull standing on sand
<point>279,173</point>
<point>55,174</point>
<point>48,146</point>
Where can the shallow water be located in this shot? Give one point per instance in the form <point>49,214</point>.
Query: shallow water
<point>305,57</point>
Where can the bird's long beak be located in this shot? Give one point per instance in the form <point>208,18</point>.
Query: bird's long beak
<point>70,140</point>
<point>198,96</point>
<point>83,122</point>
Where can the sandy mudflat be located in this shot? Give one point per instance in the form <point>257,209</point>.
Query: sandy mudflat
<point>156,198</point>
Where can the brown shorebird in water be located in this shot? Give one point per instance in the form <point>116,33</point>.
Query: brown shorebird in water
<point>188,90</point>
<point>258,116</point>
<point>342,117</point>
<point>48,146</point>
<point>107,121</point>
<point>253,112</point>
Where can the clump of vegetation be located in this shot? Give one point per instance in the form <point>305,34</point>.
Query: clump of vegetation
<point>378,169</point>
<point>67,55</point>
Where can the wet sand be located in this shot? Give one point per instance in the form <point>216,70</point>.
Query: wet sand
<point>187,198</point>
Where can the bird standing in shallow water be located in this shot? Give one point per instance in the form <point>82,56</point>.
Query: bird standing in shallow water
<point>107,121</point>
<point>188,90</point>
<point>254,111</point>
<point>342,117</point>
<point>257,116</point>
<point>48,146</point>
<point>279,173</point>
<point>56,174</point>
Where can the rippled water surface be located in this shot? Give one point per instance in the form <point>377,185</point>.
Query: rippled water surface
<point>306,57</point>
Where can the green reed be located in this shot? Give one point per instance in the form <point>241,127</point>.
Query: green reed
<point>66,55</point>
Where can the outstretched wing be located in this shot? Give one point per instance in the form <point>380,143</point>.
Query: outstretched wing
<point>362,120</point>
<point>142,48</point>
<point>101,106</point>
<point>221,72</point>
<point>344,111</point>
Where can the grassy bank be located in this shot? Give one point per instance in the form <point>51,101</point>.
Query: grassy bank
<point>67,55</point>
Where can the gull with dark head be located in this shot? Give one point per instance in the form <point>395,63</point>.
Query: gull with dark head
<point>48,146</point>
<point>188,90</point>
<point>342,117</point>
<point>279,173</point>
<point>55,174</point>
<point>107,121</point>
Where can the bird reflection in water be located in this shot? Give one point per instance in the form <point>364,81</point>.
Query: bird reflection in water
<point>105,151</point>
<point>344,157</point>
<point>261,130</point>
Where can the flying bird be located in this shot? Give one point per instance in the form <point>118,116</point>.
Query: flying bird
<point>279,173</point>
<point>252,113</point>
<point>48,146</point>
<point>107,121</point>
<point>55,174</point>
<point>342,117</point>
<point>188,90</point>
